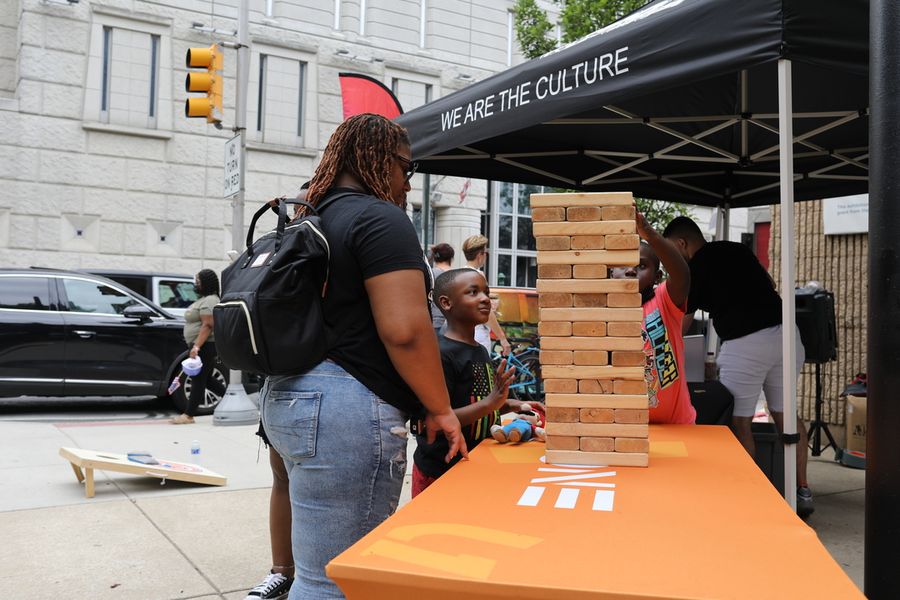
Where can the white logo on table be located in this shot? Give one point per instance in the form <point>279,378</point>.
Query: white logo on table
<point>570,482</point>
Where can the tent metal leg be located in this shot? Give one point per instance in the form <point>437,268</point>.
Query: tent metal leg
<point>788,343</point>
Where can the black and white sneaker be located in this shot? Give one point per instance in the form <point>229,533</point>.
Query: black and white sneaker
<point>274,587</point>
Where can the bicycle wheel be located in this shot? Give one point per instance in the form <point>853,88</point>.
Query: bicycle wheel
<point>529,385</point>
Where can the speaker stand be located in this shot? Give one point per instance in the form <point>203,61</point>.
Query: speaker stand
<point>817,426</point>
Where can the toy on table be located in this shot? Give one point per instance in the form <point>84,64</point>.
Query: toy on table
<point>529,422</point>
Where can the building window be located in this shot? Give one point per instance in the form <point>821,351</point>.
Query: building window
<point>510,36</point>
<point>514,256</point>
<point>129,85</point>
<point>337,14</point>
<point>423,21</point>
<point>280,105</point>
<point>362,17</point>
<point>270,8</point>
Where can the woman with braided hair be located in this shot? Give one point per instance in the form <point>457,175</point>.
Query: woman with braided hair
<point>341,426</point>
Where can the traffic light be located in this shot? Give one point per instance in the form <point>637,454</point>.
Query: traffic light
<point>210,82</point>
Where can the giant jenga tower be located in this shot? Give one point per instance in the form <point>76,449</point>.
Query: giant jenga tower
<point>592,358</point>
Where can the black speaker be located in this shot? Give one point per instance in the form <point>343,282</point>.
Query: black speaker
<point>815,319</point>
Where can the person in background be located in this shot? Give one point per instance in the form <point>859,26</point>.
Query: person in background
<point>442,257</point>
<point>198,333</point>
<point>475,250</point>
<point>728,281</point>
<point>664,307</point>
<point>341,426</point>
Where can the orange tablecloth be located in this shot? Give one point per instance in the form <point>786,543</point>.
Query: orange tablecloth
<point>700,522</point>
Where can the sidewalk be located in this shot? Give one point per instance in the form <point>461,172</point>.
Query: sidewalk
<point>139,540</point>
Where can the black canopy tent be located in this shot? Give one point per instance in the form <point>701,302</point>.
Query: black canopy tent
<point>677,101</point>
<point>684,100</point>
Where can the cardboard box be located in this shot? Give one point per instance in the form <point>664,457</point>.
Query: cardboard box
<point>856,423</point>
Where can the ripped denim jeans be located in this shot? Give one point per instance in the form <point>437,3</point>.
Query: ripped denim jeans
<point>345,453</point>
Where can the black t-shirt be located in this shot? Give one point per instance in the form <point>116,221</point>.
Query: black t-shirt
<point>470,377</point>
<point>367,237</point>
<point>728,281</point>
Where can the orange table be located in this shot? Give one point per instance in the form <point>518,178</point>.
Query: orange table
<point>700,522</point>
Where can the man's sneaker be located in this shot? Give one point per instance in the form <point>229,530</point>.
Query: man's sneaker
<point>274,587</point>
<point>805,506</point>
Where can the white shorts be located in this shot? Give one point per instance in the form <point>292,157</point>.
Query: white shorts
<point>751,364</point>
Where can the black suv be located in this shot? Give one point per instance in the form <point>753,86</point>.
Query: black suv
<point>64,333</point>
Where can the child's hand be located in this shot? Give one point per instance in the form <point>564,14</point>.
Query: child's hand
<point>503,377</point>
<point>644,228</point>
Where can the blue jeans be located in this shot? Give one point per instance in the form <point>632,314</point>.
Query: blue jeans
<point>345,453</point>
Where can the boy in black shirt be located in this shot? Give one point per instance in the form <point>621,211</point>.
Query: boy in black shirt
<point>478,393</point>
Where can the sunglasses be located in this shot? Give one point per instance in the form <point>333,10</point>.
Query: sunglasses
<point>410,166</point>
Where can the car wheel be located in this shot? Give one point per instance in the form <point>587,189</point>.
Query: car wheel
<point>215,390</point>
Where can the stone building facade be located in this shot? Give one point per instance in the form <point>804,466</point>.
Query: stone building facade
<point>99,167</point>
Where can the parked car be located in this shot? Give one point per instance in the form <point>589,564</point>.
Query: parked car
<point>171,291</point>
<point>66,333</point>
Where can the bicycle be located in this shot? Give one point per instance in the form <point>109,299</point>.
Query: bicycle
<point>527,385</point>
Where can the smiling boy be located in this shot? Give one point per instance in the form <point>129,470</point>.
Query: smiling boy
<point>478,392</point>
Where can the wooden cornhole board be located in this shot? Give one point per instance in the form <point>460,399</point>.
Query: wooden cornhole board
<point>88,460</point>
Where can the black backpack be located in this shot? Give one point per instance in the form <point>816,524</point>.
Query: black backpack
<point>269,319</point>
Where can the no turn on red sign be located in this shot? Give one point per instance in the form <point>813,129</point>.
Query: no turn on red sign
<point>232,166</point>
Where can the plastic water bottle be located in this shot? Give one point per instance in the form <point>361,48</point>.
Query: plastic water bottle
<point>195,452</point>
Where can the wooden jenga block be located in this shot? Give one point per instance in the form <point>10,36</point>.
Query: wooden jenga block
<point>598,444</point>
<point>625,258</point>
<point>610,459</point>
<point>596,400</point>
<point>629,387</point>
<point>631,415</point>
<point>589,300</point>
<point>553,242</point>
<point>623,300</point>
<point>548,214</point>
<point>629,241</point>
<point>591,357</point>
<point>597,429</point>
<point>594,415</point>
<point>556,357</point>
<point>565,415</point>
<point>624,444</point>
<point>588,286</point>
<point>595,386</point>
<point>563,442</point>
<point>591,314</point>
<point>591,343</point>
<point>583,213</point>
<point>583,199</point>
<point>561,386</point>
<point>586,242</point>
<point>588,271</point>
<point>627,358</point>
<point>554,328</point>
<point>598,372</point>
<point>554,271</point>
<point>623,329</point>
<point>617,213</point>
<point>583,228</point>
<point>589,328</point>
<point>555,300</point>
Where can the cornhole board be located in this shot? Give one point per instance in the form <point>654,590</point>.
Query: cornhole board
<point>85,461</point>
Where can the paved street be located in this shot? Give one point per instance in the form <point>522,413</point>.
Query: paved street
<point>138,539</point>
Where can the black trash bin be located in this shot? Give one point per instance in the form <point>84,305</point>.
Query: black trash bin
<point>769,453</point>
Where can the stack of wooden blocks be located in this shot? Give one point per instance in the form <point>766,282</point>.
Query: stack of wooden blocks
<point>592,358</point>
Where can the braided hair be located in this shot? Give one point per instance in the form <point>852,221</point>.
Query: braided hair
<point>209,282</point>
<point>363,146</point>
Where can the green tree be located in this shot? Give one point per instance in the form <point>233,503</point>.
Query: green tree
<point>578,18</point>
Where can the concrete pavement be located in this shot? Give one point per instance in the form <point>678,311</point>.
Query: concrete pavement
<point>139,540</point>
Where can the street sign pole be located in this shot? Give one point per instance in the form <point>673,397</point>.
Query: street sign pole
<point>236,408</point>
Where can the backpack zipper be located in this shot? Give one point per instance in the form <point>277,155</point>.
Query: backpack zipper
<point>243,306</point>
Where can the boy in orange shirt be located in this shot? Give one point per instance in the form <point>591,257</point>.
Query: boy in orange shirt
<point>664,307</point>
